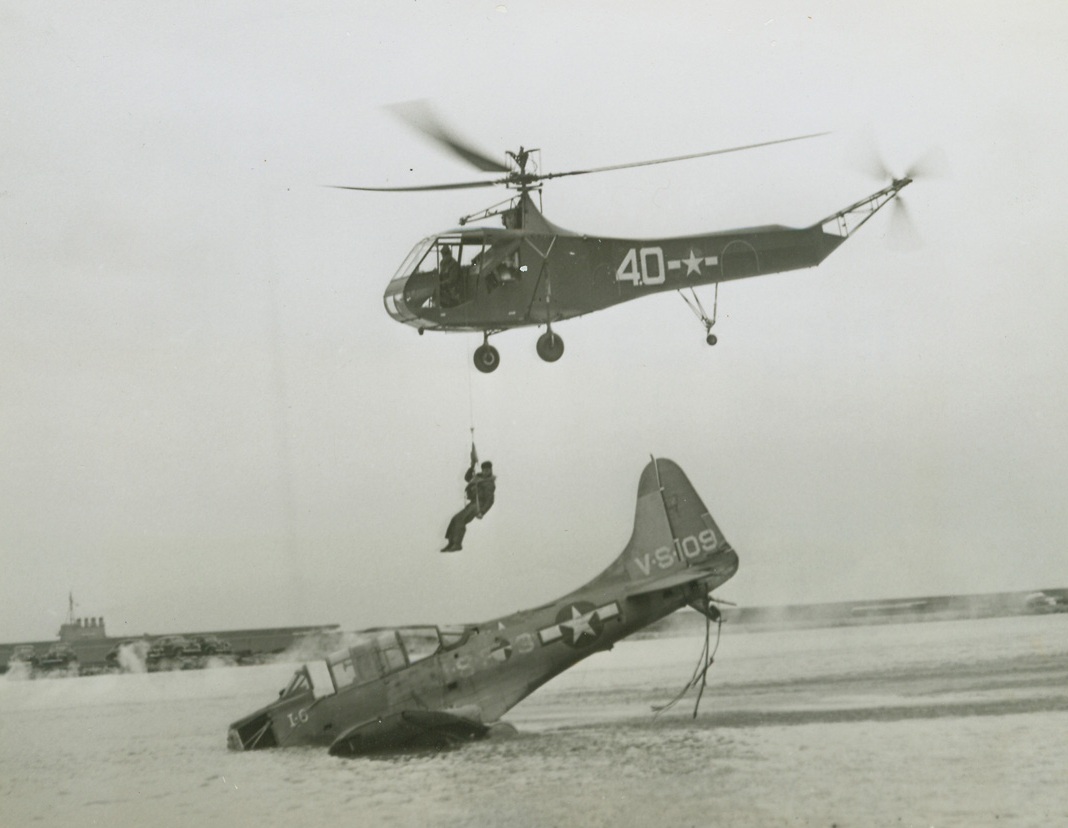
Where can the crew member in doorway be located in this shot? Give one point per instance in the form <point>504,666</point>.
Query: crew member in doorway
<point>481,487</point>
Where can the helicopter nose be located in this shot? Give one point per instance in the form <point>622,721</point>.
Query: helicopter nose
<point>394,299</point>
<point>409,299</point>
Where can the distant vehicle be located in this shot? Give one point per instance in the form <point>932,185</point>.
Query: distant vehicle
<point>180,652</point>
<point>1041,602</point>
<point>417,686</point>
<point>138,647</point>
<point>23,655</point>
<point>57,657</point>
<point>168,652</point>
<point>211,645</point>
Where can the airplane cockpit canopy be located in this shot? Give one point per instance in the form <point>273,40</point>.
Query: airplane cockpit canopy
<point>381,652</point>
<point>450,270</point>
<point>300,683</point>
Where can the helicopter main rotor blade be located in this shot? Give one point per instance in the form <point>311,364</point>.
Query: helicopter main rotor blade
<point>463,185</point>
<point>680,157</point>
<point>420,116</point>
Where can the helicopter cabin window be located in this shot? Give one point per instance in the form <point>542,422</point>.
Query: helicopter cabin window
<point>413,260</point>
<point>501,266</point>
<point>457,262</point>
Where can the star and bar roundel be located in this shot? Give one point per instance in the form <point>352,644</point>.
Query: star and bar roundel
<point>579,624</point>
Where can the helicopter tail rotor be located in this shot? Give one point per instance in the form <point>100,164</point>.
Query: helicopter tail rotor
<point>902,232</point>
<point>932,164</point>
<point>868,160</point>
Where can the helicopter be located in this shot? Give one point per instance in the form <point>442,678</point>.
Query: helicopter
<point>435,686</point>
<point>530,272</point>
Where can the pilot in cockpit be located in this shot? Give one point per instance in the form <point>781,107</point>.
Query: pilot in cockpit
<point>450,279</point>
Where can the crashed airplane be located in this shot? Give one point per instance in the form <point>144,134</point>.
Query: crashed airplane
<point>428,686</point>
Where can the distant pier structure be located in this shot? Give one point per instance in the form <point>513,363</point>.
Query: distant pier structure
<point>87,639</point>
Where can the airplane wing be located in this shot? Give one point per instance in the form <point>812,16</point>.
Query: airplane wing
<point>431,728</point>
<point>449,725</point>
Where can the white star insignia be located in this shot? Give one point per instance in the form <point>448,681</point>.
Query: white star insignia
<point>693,264</point>
<point>579,624</point>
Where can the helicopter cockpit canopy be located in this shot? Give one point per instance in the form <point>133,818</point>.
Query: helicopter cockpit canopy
<point>449,271</point>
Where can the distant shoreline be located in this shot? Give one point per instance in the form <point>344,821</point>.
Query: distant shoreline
<point>864,613</point>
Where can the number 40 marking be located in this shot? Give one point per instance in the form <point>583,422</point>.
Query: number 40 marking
<point>635,267</point>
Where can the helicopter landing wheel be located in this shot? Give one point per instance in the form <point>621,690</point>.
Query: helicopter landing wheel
<point>711,339</point>
<point>487,358</point>
<point>550,346</point>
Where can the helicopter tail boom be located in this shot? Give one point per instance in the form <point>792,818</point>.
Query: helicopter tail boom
<point>849,219</point>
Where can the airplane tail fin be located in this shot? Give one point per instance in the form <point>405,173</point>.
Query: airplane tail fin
<point>675,540</point>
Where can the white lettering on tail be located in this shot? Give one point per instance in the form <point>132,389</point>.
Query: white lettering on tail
<point>691,546</point>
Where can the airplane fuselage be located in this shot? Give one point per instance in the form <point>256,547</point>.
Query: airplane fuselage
<point>494,665</point>
<point>394,686</point>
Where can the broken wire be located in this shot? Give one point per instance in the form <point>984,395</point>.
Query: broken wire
<point>700,674</point>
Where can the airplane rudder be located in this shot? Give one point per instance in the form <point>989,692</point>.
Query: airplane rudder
<point>692,524</point>
<point>672,528</point>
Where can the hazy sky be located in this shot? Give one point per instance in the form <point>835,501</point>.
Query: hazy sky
<point>208,420</point>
